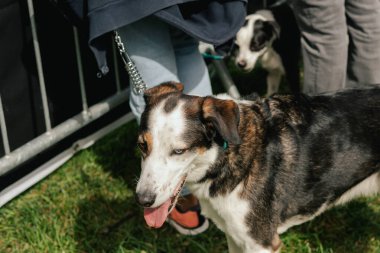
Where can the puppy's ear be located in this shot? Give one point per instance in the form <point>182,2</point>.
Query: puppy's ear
<point>223,115</point>
<point>162,89</point>
<point>275,28</point>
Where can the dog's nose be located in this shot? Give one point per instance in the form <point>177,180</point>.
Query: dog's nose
<point>146,199</point>
<point>242,64</point>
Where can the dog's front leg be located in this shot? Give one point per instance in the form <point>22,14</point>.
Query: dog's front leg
<point>249,247</point>
<point>272,62</point>
<point>273,81</point>
<point>232,246</point>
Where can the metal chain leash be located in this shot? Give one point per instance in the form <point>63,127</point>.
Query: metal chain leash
<point>139,85</point>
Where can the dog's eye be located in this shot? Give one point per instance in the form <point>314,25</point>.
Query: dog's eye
<point>179,151</point>
<point>142,146</point>
<point>256,47</point>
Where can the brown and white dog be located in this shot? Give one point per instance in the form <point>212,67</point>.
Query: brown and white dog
<point>258,166</point>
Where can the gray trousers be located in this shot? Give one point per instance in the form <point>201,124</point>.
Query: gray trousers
<point>163,53</point>
<point>340,43</point>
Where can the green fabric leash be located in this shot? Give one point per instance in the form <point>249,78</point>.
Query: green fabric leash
<point>212,56</point>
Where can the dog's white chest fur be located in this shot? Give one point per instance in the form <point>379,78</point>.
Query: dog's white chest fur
<point>228,212</point>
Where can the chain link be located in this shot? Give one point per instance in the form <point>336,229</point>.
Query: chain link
<point>138,83</point>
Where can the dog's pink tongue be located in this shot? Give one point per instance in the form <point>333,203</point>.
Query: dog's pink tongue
<point>155,217</point>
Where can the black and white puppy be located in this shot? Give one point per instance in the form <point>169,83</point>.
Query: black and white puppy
<point>253,44</point>
<point>260,166</point>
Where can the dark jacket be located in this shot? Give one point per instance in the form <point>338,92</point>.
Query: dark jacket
<point>211,21</point>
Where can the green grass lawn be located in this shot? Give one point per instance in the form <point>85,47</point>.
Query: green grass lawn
<point>88,206</point>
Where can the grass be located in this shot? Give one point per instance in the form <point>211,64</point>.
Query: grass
<point>79,208</point>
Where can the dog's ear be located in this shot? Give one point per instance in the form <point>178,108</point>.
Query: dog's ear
<point>274,28</point>
<point>223,115</point>
<point>162,89</point>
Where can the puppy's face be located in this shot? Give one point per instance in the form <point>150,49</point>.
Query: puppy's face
<point>176,139</point>
<point>253,39</point>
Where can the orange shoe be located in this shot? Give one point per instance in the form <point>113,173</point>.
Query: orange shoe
<point>188,221</point>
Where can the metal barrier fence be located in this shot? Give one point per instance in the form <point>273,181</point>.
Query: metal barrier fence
<point>53,135</point>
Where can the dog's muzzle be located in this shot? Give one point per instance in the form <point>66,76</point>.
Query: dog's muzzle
<point>155,217</point>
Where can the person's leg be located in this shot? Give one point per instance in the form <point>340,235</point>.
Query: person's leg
<point>148,43</point>
<point>192,69</point>
<point>324,43</point>
<point>363,20</point>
